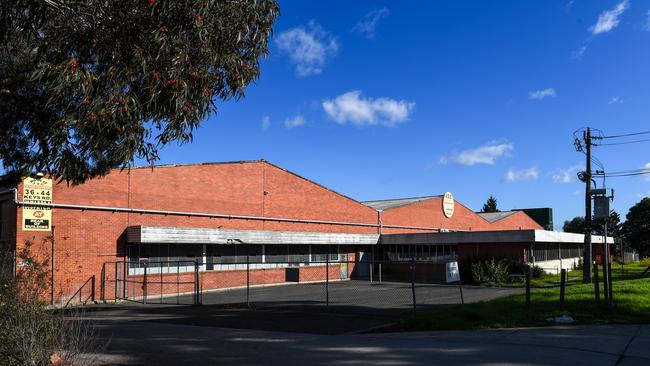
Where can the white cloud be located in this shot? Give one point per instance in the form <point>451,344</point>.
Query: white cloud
<point>308,47</point>
<point>266,122</point>
<point>647,168</point>
<point>566,176</point>
<point>353,108</point>
<point>486,154</point>
<point>541,94</point>
<point>577,54</point>
<point>521,175</point>
<point>609,19</point>
<point>296,121</point>
<point>367,25</point>
<point>616,100</point>
<point>646,25</point>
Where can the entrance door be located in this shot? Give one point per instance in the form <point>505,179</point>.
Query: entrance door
<point>343,258</point>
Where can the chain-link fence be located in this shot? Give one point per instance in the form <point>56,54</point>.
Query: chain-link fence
<point>159,282</point>
<point>335,284</point>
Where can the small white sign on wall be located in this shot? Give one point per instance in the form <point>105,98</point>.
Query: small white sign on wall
<point>451,271</point>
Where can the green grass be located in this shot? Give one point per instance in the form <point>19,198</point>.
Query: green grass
<point>631,305</point>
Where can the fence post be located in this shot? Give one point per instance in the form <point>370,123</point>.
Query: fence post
<point>92,293</point>
<point>196,282</point>
<point>144,284</point>
<point>605,281</point>
<point>327,279</point>
<point>528,270</point>
<point>379,272</point>
<point>596,284</point>
<point>115,293</point>
<point>562,285</point>
<point>372,263</point>
<point>102,289</point>
<point>413,283</point>
<point>248,280</point>
<point>125,274</point>
<point>611,291</point>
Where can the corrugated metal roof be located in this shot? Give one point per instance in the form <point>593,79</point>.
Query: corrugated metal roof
<point>495,216</point>
<point>393,203</point>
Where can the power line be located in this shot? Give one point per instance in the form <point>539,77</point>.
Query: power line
<point>626,175</point>
<point>626,134</point>
<point>623,143</point>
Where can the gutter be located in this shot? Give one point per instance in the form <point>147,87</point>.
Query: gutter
<point>210,215</point>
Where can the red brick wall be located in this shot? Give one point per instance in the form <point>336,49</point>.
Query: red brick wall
<point>84,239</point>
<point>428,213</point>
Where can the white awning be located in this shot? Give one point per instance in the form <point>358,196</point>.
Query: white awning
<point>158,234</point>
<point>505,236</point>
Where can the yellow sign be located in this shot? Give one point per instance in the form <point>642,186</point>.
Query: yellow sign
<point>35,217</point>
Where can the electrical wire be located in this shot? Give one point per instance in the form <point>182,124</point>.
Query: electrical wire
<point>622,143</point>
<point>626,134</point>
<point>626,175</point>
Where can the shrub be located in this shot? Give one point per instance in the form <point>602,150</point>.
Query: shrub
<point>645,261</point>
<point>537,272</point>
<point>30,332</point>
<point>490,271</point>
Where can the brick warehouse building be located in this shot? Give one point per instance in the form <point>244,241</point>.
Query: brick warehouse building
<point>215,214</point>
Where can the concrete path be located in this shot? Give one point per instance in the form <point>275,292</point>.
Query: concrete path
<point>157,343</point>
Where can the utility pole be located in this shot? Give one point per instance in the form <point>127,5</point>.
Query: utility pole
<point>587,261</point>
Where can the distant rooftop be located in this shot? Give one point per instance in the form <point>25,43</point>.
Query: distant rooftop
<point>495,216</point>
<point>397,202</point>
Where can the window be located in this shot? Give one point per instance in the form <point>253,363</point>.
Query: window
<point>276,253</point>
<point>299,253</point>
<point>319,253</point>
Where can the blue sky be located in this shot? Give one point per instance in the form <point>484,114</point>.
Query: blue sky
<point>393,99</point>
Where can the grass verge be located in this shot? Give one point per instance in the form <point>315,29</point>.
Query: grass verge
<point>631,305</point>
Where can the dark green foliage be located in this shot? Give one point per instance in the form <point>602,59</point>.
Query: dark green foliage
<point>637,227</point>
<point>490,205</point>
<point>576,225</point>
<point>490,271</point>
<point>536,272</point>
<point>86,86</point>
<point>613,225</point>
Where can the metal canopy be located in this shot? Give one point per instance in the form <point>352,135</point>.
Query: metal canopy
<point>158,234</point>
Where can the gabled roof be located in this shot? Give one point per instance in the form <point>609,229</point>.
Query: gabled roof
<point>493,217</point>
<point>393,203</point>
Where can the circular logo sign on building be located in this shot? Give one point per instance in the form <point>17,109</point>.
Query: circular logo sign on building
<point>448,205</point>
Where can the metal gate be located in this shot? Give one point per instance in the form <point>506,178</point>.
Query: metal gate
<point>156,282</point>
